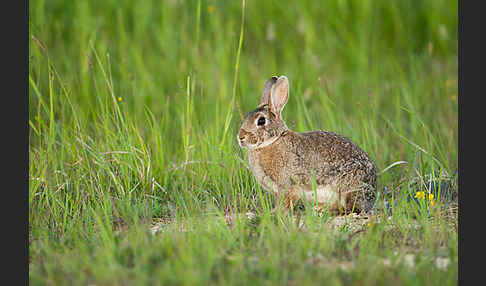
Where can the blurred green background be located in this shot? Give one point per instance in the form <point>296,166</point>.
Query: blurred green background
<point>134,105</point>
<point>346,60</point>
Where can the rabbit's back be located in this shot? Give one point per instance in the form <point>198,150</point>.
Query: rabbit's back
<point>323,154</point>
<point>331,154</point>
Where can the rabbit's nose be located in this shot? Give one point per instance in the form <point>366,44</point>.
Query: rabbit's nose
<point>241,135</point>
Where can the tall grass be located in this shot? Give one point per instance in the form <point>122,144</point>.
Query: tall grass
<point>133,111</point>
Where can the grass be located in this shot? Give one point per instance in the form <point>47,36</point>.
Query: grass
<point>133,111</point>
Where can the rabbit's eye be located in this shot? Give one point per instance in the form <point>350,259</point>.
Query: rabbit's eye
<point>261,121</point>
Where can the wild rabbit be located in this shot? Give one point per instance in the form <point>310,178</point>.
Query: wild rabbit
<point>288,162</point>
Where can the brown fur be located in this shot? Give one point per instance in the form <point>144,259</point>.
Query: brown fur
<point>287,162</point>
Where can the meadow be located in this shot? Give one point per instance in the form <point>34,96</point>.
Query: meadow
<point>135,174</point>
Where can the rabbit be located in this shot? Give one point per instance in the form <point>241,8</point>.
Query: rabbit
<point>288,163</point>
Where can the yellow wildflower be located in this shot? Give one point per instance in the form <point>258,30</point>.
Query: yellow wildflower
<point>420,195</point>
<point>120,99</point>
<point>431,199</point>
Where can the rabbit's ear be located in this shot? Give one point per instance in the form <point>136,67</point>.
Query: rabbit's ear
<point>267,89</point>
<point>279,95</point>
